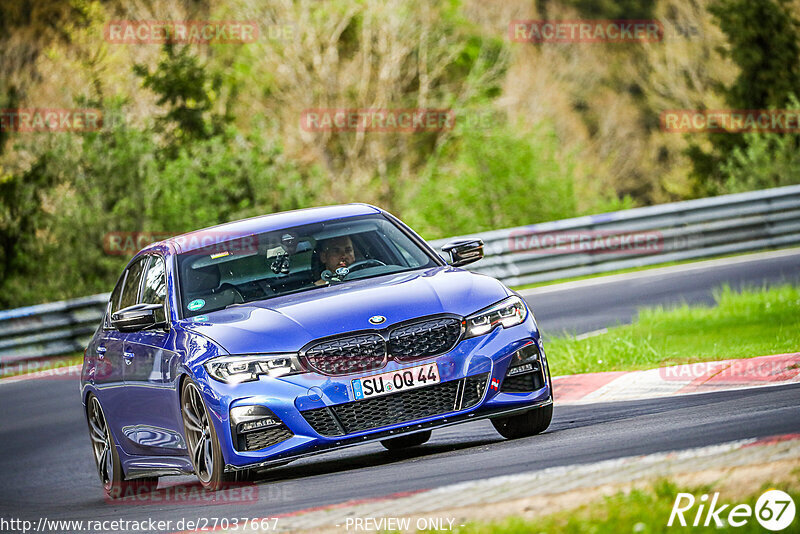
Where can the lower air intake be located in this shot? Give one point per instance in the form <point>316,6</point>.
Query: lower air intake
<point>397,408</point>
<point>265,438</point>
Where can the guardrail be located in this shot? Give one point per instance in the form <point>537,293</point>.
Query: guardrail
<point>517,256</point>
<point>49,329</point>
<point>691,229</point>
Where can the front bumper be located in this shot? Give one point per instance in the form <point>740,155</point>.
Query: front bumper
<point>293,399</point>
<point>397,430</point>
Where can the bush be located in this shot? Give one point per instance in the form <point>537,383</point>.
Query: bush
<point>765,160</point>
<point>84,186</point>
<point>495,178</point>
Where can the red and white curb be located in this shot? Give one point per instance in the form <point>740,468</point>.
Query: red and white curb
<point>448,503</point>
<point>691,378</point>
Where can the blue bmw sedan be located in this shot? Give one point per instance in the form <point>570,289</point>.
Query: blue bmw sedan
<point>253,343</point>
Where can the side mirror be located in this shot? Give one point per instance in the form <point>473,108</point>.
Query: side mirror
<point>464,251</point>
<point>138,317</point>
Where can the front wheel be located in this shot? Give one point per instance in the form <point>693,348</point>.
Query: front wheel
<point>201,439</point>
<point>526,424</point>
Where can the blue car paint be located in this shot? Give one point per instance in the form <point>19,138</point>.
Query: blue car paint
<point>140,391</point>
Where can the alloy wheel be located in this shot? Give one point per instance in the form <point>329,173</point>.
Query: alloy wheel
<point>198,433</point>
<point>101,442</point>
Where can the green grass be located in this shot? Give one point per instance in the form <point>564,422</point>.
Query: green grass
<point>637,269</point>
<point>644,511</point>
<point>740,325</point>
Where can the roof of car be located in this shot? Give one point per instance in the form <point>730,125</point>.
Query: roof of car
<point>263,223</point>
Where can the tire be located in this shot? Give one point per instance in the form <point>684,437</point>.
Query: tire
<point>404,442</point>
<point>205,452</point>
<point>106,457</point>
<point>526,424</point>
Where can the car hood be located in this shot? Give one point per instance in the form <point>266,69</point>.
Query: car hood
<point>285,324</point>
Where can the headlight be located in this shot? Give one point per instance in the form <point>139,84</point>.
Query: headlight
<point>237,369</point>
<point>507,312</point>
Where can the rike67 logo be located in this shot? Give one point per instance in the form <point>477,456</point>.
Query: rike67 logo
<point>774,510</point>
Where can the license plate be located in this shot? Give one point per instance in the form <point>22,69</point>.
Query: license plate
<point>392,382</point>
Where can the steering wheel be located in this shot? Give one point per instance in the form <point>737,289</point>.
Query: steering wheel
<point>363,264</point>
<point>237,293</point>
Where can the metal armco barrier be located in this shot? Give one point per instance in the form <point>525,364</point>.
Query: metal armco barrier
<point>49,329</point>
<point>524,255</point>
<point>699,228</point>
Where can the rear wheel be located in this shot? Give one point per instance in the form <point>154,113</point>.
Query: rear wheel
<point>106,458</point>
<point>403,442</point>
<point>201,439</point>
<point>526,424</point>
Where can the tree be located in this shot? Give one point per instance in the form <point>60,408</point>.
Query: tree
<point>764,38</point>
<point>189,93</point>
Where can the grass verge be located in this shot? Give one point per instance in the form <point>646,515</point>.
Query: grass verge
<point>740,325</point>
<point>643,511</point>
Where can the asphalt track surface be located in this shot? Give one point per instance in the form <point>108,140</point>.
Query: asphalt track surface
<point>46,468</point>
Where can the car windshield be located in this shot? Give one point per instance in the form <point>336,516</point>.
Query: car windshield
<point>234,271</point>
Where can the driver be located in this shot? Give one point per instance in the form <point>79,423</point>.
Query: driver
<point>335,253</point>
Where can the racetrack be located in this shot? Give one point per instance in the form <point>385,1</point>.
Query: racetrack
<point>47,469</point>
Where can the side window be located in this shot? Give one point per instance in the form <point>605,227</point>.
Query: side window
<point>130,290</point>
<point>155,282</point>
<point>113,302</point>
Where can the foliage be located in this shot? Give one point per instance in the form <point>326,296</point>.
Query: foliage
<point>472,186</point>
<point>615,9</point>
<point>83,186</point>
<point>21,213</point>
<point>764,160</point>
<point>188,92</point>
<point>767,53</point>
<point>224,178</point>
<point>389,55</point>
<point>198,135</point>
<point>763,39</point>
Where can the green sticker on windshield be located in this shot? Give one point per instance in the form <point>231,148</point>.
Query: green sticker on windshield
<point>196,304</point>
